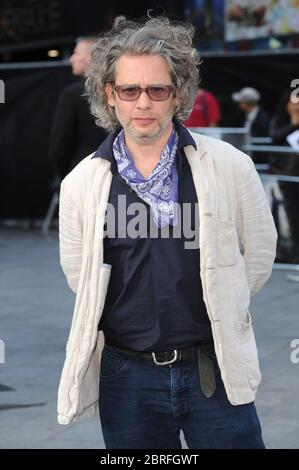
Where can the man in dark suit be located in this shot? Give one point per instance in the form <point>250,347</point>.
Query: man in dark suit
<point>256,118</point>
<point>74,134</point>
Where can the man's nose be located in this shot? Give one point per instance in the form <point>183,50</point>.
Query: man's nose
<point>144,101</point>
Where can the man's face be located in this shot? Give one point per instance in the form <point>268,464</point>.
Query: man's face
<point>80,58</point>
<point>144,120</point>
<point>246,107</point>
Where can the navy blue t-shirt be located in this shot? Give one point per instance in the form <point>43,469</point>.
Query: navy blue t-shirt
<point>154,300</point>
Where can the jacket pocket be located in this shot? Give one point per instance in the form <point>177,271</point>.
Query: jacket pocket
<point>226,239</point>
<point>248,348</point>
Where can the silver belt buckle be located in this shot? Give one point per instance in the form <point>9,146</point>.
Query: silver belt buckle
<point>166,362</point>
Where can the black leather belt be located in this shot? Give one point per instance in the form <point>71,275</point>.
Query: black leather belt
<point>162,358</point>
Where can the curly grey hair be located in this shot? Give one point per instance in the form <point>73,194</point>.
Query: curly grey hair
<point>159,36</point>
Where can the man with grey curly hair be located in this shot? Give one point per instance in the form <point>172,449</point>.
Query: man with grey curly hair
<point>161,339</point>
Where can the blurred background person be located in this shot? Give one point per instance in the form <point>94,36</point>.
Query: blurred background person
<point>284,122</point>
<point>206,111</point>
<point>256,118</point>
<point>74,134</point>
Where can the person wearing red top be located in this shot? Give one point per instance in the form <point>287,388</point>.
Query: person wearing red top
<point>205,112</point>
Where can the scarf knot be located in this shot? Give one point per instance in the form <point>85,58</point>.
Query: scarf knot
<point>160,189</point>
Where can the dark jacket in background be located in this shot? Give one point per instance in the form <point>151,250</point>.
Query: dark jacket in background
<point>260,128</point>
<point>284,163</point>
<point>260,125</point>
<point>74,134</point>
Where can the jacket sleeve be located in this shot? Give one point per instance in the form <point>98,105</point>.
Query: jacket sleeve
<point>70,236</point>
<point>279,129</point>
<point>256,228</point>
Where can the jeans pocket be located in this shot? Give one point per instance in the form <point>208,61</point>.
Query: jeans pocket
<point>113,364</point>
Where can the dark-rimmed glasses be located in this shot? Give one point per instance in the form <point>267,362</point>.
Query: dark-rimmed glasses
<point>154,92</point>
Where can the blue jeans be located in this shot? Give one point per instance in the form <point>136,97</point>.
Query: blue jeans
<point>144,406</point>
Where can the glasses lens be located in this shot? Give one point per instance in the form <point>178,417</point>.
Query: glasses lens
<point>128,93</point>
<point>159,93</point>
<point>132,93</point>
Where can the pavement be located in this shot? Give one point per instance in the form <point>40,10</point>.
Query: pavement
<point>36,308</point>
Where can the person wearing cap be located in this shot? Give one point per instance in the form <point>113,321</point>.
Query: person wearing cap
<point>257,119</point>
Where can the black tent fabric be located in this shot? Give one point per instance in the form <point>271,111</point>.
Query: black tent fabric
<point>25,122</point>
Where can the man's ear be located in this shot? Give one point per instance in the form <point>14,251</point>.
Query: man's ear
<point>110,94</point>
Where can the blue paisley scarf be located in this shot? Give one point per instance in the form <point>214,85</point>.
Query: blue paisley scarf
<point>160,189</point>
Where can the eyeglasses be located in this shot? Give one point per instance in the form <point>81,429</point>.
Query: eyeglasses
<point>154,92</point>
